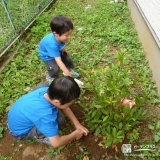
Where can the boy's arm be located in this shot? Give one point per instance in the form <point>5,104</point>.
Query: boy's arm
<point>58,140</point>
<point>67,111</point>
<point>62,66</point>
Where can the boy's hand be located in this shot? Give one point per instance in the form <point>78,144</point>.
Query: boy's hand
<point>78,134</point>
<point>62,66</point>
<point>83,129</point>
<point>68,74</point>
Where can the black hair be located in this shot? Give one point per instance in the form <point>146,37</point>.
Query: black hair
<point>61,24</point>
<point>64,88</point>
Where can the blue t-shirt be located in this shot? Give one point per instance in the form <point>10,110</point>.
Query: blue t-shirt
<point>49,47</point>
<point>31,110</point>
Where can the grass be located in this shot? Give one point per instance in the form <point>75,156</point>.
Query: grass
<point>21,14</point>
<point>111,60</point>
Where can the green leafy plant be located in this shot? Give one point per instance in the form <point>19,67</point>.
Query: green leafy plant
<point>2,157</point>
<point>83,153</point>
<point>155,127</point>
<point>1,129</point>
<point>54,151</point>
<point>111,84</point>
<point>134,135</point>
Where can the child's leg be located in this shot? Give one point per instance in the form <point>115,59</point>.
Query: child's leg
<point>35,133</point>
<point>52,68</point>
<point>32,134</point>
<point>40,85</point>
<point>66,59</point>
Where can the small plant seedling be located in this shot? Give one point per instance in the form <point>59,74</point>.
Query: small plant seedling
<point>13,144</point>
<point>1,132</point>
<point>83,153</point>
<point>54,151</point>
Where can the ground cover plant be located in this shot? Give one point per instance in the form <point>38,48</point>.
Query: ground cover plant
<point>112,64</point>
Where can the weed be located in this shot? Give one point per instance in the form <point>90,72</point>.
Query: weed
<point>2,157</point>
<point>54,151</point>
<point>83,153</point>
<point>1,132</point>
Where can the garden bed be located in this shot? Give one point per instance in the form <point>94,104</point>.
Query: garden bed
<point>112,65</point>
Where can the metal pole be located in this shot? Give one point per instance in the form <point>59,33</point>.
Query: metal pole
<point>24,29</point>
<point>9,16</point>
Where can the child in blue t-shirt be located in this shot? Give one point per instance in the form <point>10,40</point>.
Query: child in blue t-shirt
<point>38,114</point>
<point>51,49</point>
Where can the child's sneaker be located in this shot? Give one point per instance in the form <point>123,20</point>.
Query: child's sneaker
<point>73,73</point>
<point>49,79</point>
<point>44,140</point>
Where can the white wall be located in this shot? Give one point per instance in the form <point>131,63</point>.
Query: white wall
<point>148,41</point>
